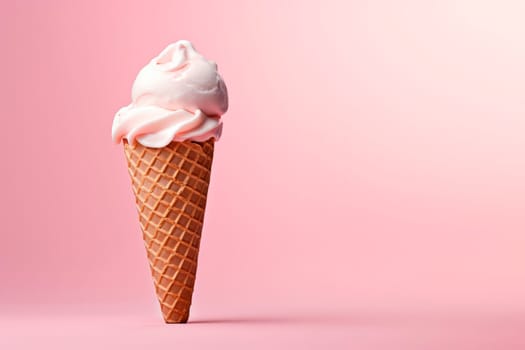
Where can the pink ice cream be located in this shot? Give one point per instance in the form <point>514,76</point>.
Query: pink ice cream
<point>177,96</point>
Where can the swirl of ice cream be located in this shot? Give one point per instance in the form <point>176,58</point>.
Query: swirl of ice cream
<point>177,96</point>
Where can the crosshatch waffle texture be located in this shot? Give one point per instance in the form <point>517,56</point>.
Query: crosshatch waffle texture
<point>170,186</point>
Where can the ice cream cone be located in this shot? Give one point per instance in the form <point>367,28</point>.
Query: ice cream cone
<point>169,130</point>
<point>170,186</point>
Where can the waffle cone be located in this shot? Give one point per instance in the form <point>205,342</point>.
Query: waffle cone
<point>170,186</point>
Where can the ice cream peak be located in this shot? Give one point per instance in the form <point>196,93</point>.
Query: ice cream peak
<point>177,96</point>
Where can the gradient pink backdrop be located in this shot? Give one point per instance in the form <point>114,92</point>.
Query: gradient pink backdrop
<point>374,150</point>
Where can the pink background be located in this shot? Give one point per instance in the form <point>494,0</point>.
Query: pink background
<point>369,189</point>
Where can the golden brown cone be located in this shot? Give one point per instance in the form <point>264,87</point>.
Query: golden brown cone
<point>170,186</point>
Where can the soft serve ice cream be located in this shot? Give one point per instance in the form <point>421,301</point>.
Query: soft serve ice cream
<point>168,134</point>
<point>177,96</point>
